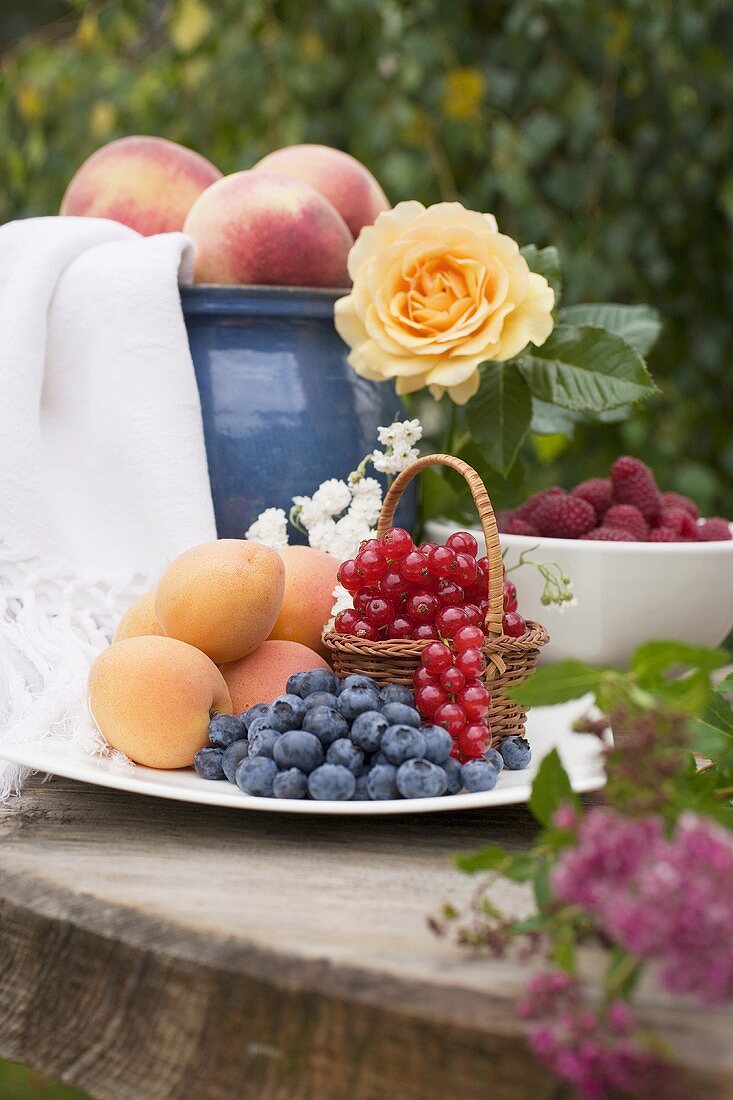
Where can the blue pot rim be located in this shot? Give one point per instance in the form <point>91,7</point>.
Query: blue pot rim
<point>259,301</point>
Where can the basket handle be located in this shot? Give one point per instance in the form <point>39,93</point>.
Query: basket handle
<point>495,612</point>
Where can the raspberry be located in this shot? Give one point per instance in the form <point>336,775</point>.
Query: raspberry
<point>628,518</point>
<point>680,521</point>
<point>677,500</point>
<point>633,483</point>
<point>564,517</point>
<point>520,527</point>
<point>715,530</point>
<point>598,492</point>
<point>609,534</point>
<point>504,520</point>
<point>664,534</point>
<point>526,511</point>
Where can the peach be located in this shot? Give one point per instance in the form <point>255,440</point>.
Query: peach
<point>262,676</point>
<point>139,619</point>
<point>152,697</point>
<point>147,183</point>
<point>257,227</point>
<point>223,597</point>
<point>310,578</point>
<point>340,178</point>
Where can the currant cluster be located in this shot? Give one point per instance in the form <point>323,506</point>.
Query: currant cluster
<point>423,593</point>
<point>449,691</point>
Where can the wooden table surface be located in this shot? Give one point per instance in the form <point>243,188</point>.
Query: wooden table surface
<point>152,949</point>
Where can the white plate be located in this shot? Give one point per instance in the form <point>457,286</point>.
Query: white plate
<point>547,727</point>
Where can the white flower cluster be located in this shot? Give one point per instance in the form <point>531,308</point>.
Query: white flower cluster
<point>399,440</point>
<point>270,528</point>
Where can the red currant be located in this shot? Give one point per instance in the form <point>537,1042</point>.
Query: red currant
<point>481,584</point>
<point>513,624</point>
<point>436,658</point>
<point>451,716</point>
<point>400,627</point>
<point>379,612</point>
<point>348,576</point>
<point>365,630</point>
<point>414,567</point>
<point>426,547</point>
<point>429,698</point>
<point>422,607</point>
<point>423,676</point>
<point>397,543</point>
<point>455,751</point>
<point>363,596</point>
<point>475,700</point>
<point>425,632</point>
<point>450,594</point>
<point>392,585</point>
<point>473,740</point>
<point>346,621</point>
<point>449,620</point>
<point>452,680</point>
<point>369,544</point>
<point>466,570</point>
<point>462,542</point>
<point>442,561</point>
<point>468,637</point>
<point>474,616</point>
<point>510,596</point>
<point>371,565</point>
<point>471,663</point>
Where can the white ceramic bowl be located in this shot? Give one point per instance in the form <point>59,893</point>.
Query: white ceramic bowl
<point>628,593</point>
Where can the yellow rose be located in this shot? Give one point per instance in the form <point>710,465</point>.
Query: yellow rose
<point>436,292</point>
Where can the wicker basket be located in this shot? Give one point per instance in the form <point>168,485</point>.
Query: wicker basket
<point>510,660</point>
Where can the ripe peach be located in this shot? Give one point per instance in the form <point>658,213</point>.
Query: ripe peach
<point>262,676</point>
<point>147,183</point>
<point>340,178</point>
<point>223,597</point>
<point>151,698</point>
<point>256,227</point>
<point>310,578</point>
<point>139,619</point>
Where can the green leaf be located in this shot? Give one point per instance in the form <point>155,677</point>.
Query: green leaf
<point>563,949</point>
<point>542,889</point>
<point>520,867</point>
<point>690,693</point>
<point>725,687</point>
<point>545,261</point>
<point>556,684</point>
<point>504,492</point>
<point>437,496</point>
<point>637,325</point>
<point>550,420</point>
<point>489,858</point>
<point>499,415</point>
<point>651,660</point>
<point>586,369</point>
<point>622,973</point>
<point>551,789</point>
<point>713,732</point>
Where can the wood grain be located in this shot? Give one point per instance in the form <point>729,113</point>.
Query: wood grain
<point>151,949</point>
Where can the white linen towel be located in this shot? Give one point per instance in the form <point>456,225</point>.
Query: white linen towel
<point>103,475</point>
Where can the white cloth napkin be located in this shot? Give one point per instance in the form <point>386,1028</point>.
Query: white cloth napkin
<point>103,475</point>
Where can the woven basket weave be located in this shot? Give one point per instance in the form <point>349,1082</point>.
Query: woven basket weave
<point>510,660</point>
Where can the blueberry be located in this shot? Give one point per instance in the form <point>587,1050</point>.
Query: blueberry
<point>401,743</point>
<point>318,679</point>
<point>367,730</point>
<point>225,729</point>
<point>259,710</point>
<point>380,758</point>
<point>438,743</point>
<point>331,783</point>
<point>326,723</point>
<point>207,762</point>
<point>261,722</point>
<point>321,699</point>
<point>356,700</point>
<point>292,783</point>
<point>298,749</point>
<point>361,791</point>
<point>396,693</point>
<point>262,742</point>
<point>286,713</point>
<point>231,758</point>
<point>292,687</point>
<point>515,752</point>
<point>256,775</point>
<point>479,775</point>
<point>494,757</point>
<point>356,681</point>
<point>397,714</point>
<point>381,782</point>
<point>452,771</point>
<point>420,779</point>
<point>345,753</point>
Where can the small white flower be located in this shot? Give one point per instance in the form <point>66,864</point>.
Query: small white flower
<point>412,431</point>
<point>321,534</point>
<point>342,601</point>
<point>309,514</point>
<point>332,497</point>
<point>386,463</point>
<point>270,528</point>
<point>367,500</point>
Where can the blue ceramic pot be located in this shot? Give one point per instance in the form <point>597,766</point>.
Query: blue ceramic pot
<point>282,408</point>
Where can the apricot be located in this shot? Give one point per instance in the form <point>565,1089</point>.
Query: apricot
<point>151,698</point>
<point>147,183</point>
<point>262,676</point>
<point>223,597</point>
<point>310,578</point>
<point>257,227</point>
<point>339,177</point>
<point>139,619</point>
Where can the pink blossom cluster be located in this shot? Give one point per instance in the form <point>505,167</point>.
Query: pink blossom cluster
<point>592,1049</point>
<point>666,900</point>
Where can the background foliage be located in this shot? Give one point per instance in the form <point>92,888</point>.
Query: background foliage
<point>599,126</point>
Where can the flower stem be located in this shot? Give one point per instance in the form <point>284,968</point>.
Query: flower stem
<point>450,435</point>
